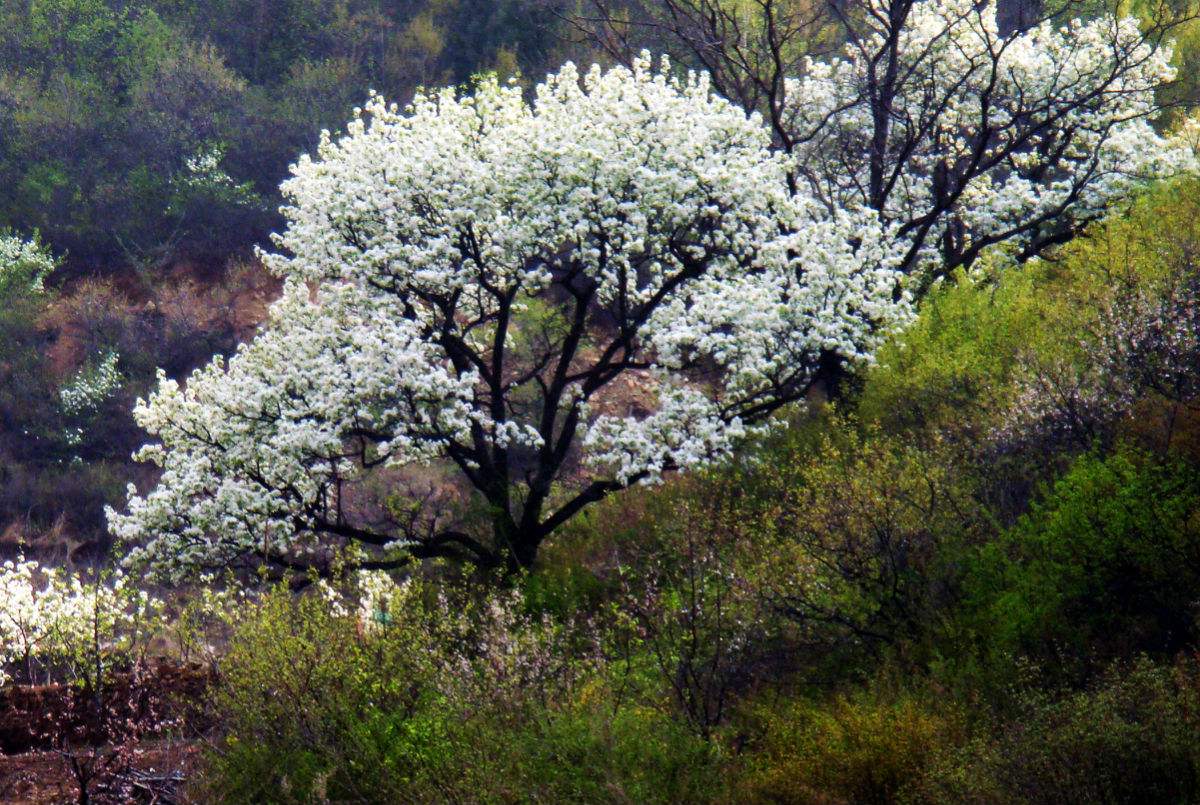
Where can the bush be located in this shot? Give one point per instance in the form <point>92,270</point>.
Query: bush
<point>592,752</point>
<point>435,698</point>
<point>311,710</point>
<point>863,747</point>
<point>1104,566</point>
<point>1134,737</point>
<point>855,550</point>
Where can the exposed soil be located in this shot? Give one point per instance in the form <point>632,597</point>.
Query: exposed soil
<point>31,771</point>
<point>27,712</point>
<point>43,778</point>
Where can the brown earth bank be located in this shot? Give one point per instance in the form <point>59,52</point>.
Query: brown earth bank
<point>44,778</point>
<point>48,732</point>
<point>31,715</point>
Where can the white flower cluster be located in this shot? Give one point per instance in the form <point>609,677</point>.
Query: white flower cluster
<point>1016,133</point>
<point>24,266</point>
<point>687,430</point>
<point>47,615</point>
<point>203,177</point>
<point>91,386</point>
<point>255,446</point>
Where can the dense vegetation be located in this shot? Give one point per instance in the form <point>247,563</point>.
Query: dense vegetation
<point>908,596</point>
<point>139,132</point>
<point>964,570</point>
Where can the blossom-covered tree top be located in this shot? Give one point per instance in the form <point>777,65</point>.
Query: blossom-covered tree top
<point>963,136</point>
<point>467,281</point>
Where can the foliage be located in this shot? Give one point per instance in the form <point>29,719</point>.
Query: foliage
<point>1099,568</point>
<point>437,700</point>
<point>106,106</point>
<point>1131,737</point>
<point>952,369</point>
<point>861,540</point>
<point>865,747</point>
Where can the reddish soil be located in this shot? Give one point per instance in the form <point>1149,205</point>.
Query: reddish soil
<point>27,712</point>
<point>31,772</point>
<point>43,778</point>
<point>236,299</point>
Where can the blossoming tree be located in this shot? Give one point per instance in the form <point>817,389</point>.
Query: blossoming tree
<point>960,128</point>
<point>60,622</point>
<point>497,313</point>
<point>554,300</point>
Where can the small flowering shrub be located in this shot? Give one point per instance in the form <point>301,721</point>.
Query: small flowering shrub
<point>91,386</point>
<point>24,266</point>
<point>56,626</point>
<point>1145,343</point>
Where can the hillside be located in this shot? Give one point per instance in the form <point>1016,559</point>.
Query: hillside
<point>615,401</point>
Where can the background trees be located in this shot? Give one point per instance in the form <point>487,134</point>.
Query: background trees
<point>104,105</point>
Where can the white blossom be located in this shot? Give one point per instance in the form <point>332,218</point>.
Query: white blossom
<point>49,615</point>
<point>24,266</point>
<point>92,385</point>
<point>990,138</point>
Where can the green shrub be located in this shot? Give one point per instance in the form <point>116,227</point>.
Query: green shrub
<point>1134,737</point>
<point>1106,565</point>
<point>313,711</point>
<point>446,699</point>
<point>950,368</point>
<point>598,751</point>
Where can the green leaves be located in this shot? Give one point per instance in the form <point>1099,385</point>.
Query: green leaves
<point>1102,565</point>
